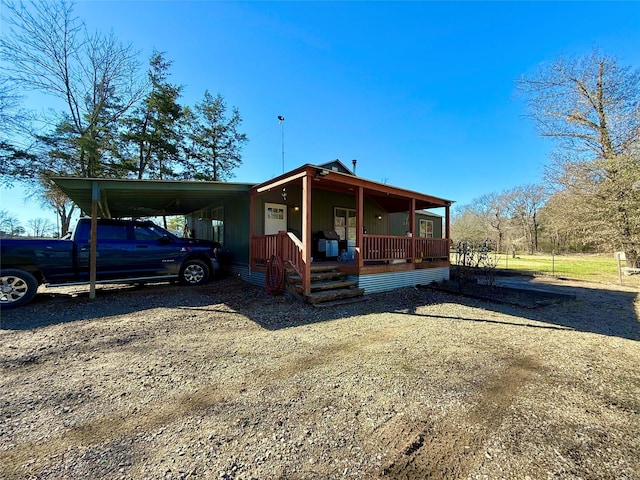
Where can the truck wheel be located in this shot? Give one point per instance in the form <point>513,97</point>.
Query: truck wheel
<point>194,272</point>
<point>17,288</point>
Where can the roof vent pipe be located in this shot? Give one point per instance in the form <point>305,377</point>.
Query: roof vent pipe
<point>354,161</point>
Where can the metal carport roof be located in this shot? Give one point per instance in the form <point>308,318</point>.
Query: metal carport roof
<point>117,198</point>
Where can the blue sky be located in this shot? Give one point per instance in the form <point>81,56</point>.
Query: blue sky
<point>420,93</point>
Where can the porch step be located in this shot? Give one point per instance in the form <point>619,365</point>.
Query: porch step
<point>315,268</point>
<point>318,276</point>
<point>323,286</point>
<point>333,295</point>
<point>322,268</point>
<point>321,276</point>
<point>328,286</point>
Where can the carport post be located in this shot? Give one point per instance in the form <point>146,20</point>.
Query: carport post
<point>95,191</point>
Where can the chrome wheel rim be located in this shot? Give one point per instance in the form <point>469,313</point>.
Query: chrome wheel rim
<point>12,289</point>
<point>193,273</point>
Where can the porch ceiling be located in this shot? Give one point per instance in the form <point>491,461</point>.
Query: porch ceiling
<point>146,198</point>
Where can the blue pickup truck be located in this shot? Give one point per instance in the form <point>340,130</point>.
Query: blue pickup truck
<point>128,251</point>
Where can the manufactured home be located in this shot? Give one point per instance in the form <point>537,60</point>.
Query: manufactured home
<point>330,233</point>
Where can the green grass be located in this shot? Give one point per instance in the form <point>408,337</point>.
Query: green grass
<point>595,268</point>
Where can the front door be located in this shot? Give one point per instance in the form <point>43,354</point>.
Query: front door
<point>275,218</point>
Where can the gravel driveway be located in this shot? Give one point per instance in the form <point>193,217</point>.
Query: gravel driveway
<point>226,382</point>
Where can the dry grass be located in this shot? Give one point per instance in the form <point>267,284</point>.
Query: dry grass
<point>227,382</point>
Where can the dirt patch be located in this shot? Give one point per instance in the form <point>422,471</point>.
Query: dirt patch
<point>450,448</point>
<point>225,381</point>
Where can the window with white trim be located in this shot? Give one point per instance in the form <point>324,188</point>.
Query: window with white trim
<point>426,228</point>
<point>344,223</point>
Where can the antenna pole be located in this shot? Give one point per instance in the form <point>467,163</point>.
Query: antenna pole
<point>281,120</point>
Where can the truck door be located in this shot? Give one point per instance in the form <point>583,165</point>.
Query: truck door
<point>153,252</point>
<point>112,260</point>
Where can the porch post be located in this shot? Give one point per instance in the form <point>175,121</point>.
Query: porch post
<point>447,230</point>
<point>359,228</point>
<point>412,229</point>
<point>306,233</point>
<point>252,216</point>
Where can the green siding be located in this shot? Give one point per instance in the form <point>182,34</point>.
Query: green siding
<point>236,218</point>
<point>323,203</point>
<point>236,228</point>
<point>398,224</point>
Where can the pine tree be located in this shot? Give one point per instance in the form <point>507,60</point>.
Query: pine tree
<point>152,137</point>
<point>215,144</point>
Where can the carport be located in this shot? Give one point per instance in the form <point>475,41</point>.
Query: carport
<point>118,198</point>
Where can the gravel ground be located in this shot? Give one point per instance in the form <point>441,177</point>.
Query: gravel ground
<point>226,382</point>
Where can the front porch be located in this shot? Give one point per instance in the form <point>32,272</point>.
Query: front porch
<point>380,253</point>
<point>382,259</point>
<point>383,268</point>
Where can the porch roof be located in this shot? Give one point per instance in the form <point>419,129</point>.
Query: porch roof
<point>147,198</point>
<point>392,199</point>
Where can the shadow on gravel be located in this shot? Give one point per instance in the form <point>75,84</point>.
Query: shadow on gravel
<point>593,310</point>
<point>59,305</point>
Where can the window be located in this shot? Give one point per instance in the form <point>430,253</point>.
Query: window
<point>344,223</point>
<point>147,233</point>
<point>217,225</point>
<point>112,232</point>
<point>426,228</point>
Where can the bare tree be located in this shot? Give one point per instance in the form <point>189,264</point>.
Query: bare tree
<point>46,48</point>
<point>591,107</point>
<point>558,217</point>
<point>493,207</point>
<point>56,199</point>
<point>14,133</point>
<point>467,224</point>
<point>40,227</point>
<point>10,225</point>
<point>523,204</point>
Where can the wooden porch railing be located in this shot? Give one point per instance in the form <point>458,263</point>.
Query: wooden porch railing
<point>387,248</point>
<point>431,247</point>
<point>375,248</point>
<point>284,244</point>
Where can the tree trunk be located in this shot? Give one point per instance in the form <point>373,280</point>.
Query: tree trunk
<point>633,257</point>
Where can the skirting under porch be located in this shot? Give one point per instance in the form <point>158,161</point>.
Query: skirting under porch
<point>384,282</point>
<point>373,281</point>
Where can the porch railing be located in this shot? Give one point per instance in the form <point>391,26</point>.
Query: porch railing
<point>431,248</point>
<point>284,244</point>
<point>388,248</point>
<point>375,248</point>
<point>385,247</point>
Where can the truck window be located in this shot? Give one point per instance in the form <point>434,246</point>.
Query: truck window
<point>112,232</point>
<point>147,233</point>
